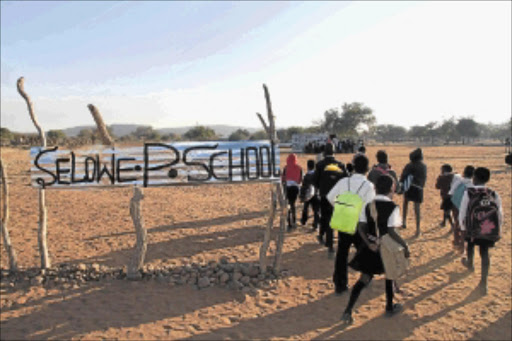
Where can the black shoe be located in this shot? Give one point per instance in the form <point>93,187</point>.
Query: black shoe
<point>338,291</point>
<point>347,318</point>
<point>320,240</point>
<point>466,263</point>
<point>397,307</point>
<point>483,288</point>
<point>330,253</point>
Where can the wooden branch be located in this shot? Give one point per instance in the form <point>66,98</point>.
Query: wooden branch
<point>42,228</point>
<point>102,128</point>
<point>13,263</point>
<point>265,126</point>
<point>270,114</point>
<point>21,90</point>
<point>268,231</point>
<point>282,228</point>
<point>140,249</point>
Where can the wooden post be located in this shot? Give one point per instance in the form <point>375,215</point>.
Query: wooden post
<point>277,196</point>
<point>102,128</point>
<point>142,236</point>
<point>141,245</point>
<point>42,228</point>
<point>268,231</point>
<point>13,263</point>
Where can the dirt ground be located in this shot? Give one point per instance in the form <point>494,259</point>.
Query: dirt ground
<point>201,224</point>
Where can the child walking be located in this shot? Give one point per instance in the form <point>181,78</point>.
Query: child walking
<point>309,196</point>
<point>443,184</point>
<point>292,177</point>
<point>481,216</point>
<point>415,174</point>
<point>367,259</point>
<point>457,189</point>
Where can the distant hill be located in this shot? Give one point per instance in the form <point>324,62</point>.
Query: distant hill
<point>125,129</point>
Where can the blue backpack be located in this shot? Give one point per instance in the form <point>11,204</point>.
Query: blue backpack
<point>457,195</point>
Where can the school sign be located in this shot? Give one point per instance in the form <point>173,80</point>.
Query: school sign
<point>156,164</point>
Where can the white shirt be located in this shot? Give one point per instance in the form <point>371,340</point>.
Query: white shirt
<point>367,191</point>
<point>457,180</point>
<point>394,219</point>
<point>464,207</point>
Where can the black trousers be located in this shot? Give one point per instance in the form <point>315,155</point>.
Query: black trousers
<point>291,195</point>
<point>326,210</point>
<point>340,276</point>
<point>484,257</point>
<point>314,203</point>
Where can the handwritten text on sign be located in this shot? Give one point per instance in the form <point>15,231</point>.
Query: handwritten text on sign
<point>156,164</point>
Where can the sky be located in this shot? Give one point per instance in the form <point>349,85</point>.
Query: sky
<point>172,64</point>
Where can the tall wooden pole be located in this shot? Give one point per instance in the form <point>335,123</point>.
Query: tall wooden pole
<point>13,263</point>
<point>277,196</point>
<point>42,227</point>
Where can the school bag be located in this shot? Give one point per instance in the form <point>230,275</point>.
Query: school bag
<point>347,208</point>
<point>307,192</point>
<point>482,217</point>
<point>457,195</point>
<point>391,252</point>
<point>331,175</point>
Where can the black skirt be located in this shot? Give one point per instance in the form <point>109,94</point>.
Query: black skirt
<point>414,194</point>
<point>480,242</point>
<point>366,261</point>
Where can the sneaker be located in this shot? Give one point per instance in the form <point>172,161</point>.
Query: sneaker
<point>338,291</point>
<point>397,307</point>
<point>347,318</point>
<point>466,263</point>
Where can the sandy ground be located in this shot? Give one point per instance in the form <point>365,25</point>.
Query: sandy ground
<point>200,224</point>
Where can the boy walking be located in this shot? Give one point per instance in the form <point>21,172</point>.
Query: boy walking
<point>481,216</point>
<point>309,196</point>
<point>357,183</point>
<point>327,173</point>
<point>443,184</point>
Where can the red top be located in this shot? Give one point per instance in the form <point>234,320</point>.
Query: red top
<point>292,171</point>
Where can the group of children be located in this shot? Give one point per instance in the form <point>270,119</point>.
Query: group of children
<point>472,209</point>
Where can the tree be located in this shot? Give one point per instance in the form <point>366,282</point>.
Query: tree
<point>56,136</point>
<point>146,133</point>
<point>389,132</point>
<point>239,135</point>
<point>201,133</point>
<point>5,135</point>
<point>467,128</point>
<point>353,118</point>
<point>448,130</point>
<point>259,135</point>
<point>171,137</point>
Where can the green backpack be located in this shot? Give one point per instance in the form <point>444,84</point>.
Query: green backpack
<point>347,208</point>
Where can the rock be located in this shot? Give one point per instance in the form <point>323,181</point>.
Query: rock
<point>81,267</point>
<point>261,277</point>
<point>253,271</point>
<point>203,282</point>
<point>160,278</point>
<point>38,280</point>
<point>228,267</point>
<point>224,278</point>
<point>224,260</point>
<point>254,281</point>
<point>95,267</point>
<point>237,276</point>
<point>246,290</point>
<point>245,280</point>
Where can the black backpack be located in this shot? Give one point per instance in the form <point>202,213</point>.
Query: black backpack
<point>482,216</point>
<point>332,173</point>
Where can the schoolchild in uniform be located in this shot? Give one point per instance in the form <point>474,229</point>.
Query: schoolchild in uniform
<point>416,170</point>
<point>292,177</point>
<point>488,216</point>
<point>443,184</point>
<point>309,195</point>
<point>328,172</point>
<point>367,259</point>
<point>358,184</point>
<point>382,167</point>
<point>459,185</point>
